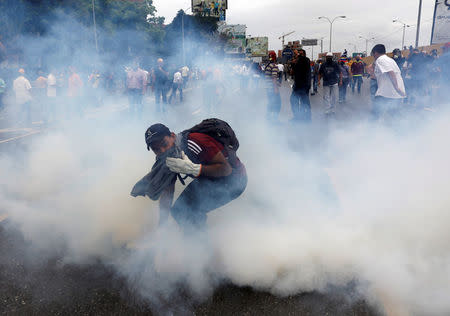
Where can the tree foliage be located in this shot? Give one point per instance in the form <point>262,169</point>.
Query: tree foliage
<point>36,17</point>
<point>126,27</point>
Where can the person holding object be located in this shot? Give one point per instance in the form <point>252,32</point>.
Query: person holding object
<point>207,153</point>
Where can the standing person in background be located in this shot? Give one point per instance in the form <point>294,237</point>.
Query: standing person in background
<point>280,72</point>
<point>40,92</point>
<point>185,75</point>
<point>300,103</point>
<point>160,79</point>
<point>315,75</point>
<point>399,59</point>
<point>51,94</point>
<point>272,87</point>
<point>357,70</point>
<point>22,90</point>
<point>443,66</point>
<point>331,75</point>
<point>94,82</point>
<point>74,92</point>
<point>177,86</point>
<point>391,89</point>
<point>373,81</point>
<point>345,80</point>
<point>136,89</point>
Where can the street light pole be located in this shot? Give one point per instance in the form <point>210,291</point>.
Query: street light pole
<point>331,25</point>
<point>354,47</point>
<point>95,26</point>
<point>418,23</point>
<point>404,29</point>
<point>182,36</point>
<point>367,42</point>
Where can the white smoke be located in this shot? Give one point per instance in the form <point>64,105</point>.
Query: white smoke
<point>387,230</point>
<point>366,204</point>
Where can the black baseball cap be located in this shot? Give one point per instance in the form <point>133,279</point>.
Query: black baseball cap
<point>156,133</point>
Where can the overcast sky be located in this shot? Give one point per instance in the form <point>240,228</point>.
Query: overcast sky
<point>369,19</point>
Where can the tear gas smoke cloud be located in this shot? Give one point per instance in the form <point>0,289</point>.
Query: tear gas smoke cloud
<point>367,205</point>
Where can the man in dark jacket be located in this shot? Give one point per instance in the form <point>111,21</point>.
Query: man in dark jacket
<point>301,71</point>
<point>332,76</point>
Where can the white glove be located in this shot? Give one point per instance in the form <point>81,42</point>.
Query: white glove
<point>184,165</point>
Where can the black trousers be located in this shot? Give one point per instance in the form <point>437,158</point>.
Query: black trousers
<point>300,105</point>
<point>203,195</point>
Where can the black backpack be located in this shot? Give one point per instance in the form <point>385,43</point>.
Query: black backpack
<point>220,131</point>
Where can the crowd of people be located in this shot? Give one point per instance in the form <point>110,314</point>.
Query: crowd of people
<point>62,93</point>
<point>30,93</point>
<point>409,80</point>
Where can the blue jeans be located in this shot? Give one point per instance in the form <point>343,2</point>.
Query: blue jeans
<point>274,106</point>
<point>343,89</point>
<point>135,100</point>
<point>160,93</point>
<point>315,80</point>
<point>385,106</point>
<point>300,105</point>
<point>357,81</point>
<point>203,195</point>
<point>176,87</point>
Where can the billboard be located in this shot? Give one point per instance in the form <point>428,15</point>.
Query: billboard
<point>235,34</point>
<point>309,42</point>
<point>441,22</point>
<point>257,46</point>
<point>215,8</point>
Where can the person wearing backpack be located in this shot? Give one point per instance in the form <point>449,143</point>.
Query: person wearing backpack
<point>206,152</point>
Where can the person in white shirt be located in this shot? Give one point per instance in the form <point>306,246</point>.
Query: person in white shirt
<point>51,94</point>
<point>22,90</point>
<point>391,89</point>
<point>280,72</point>
<point>185,74</point>
<point>177,85</point>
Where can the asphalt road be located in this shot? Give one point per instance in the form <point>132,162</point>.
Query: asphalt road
<point>51,287</point>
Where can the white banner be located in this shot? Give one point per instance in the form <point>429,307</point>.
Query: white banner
<point>441,23</point>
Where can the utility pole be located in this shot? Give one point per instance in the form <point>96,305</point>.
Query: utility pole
<point>182,36</point>
<point>404,29</point>
<point>418,23</point>
<point>282,38</point>
<point>331,25</point>
<point>367,42</point>
<point>95,26</point>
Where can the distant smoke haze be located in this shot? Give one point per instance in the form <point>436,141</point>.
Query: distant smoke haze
<point>366,205</point>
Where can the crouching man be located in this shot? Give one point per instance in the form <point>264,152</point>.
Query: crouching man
<point>206,152</point>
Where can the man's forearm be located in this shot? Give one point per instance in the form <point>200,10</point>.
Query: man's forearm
<point>393,80</point>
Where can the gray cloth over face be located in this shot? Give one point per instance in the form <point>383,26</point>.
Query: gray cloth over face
<point>159,178</point>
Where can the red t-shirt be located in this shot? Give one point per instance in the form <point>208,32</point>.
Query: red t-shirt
<point>202,148</point>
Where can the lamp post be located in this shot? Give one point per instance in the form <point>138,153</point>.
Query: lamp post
<point>404,28</point>
<point>321,44</point>
<point>367,41</point>
<point>182,36</point>
<point>418,23</point>
<point>331,24</point>
<point>95,25</point>
<point>354,47</point>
